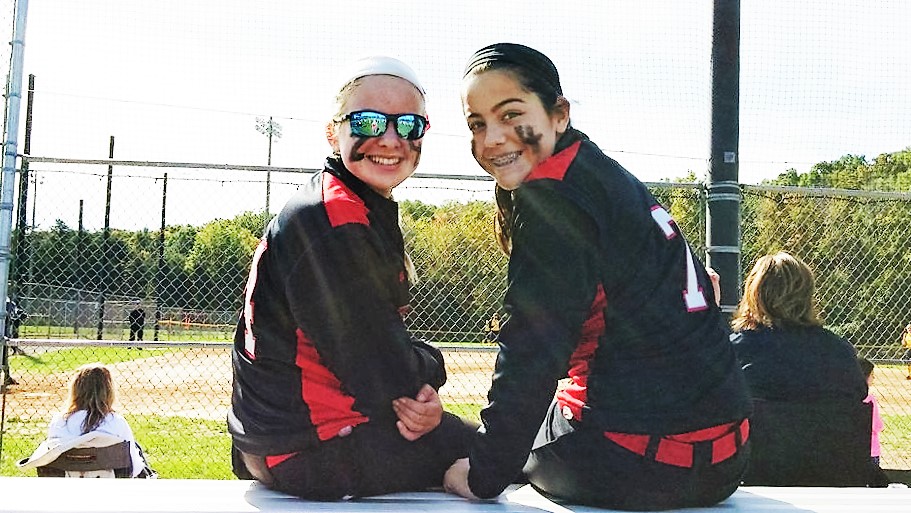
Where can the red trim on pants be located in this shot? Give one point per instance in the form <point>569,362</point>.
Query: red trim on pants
<point>677,450</point>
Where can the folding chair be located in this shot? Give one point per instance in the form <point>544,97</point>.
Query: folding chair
<point>111,461</point>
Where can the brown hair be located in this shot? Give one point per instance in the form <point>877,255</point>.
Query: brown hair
<point>779,291</point>
<point>552,101</point>
<point>536,74</point>
<point>502,226</point>
<point>92,390</point>
<point>866,366</point>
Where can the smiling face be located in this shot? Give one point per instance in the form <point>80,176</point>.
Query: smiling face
<point>512,131</point>
<point>380,162</point>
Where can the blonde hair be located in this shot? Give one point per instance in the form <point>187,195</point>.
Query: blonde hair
<point>92,390</point>
<point>779,291</point>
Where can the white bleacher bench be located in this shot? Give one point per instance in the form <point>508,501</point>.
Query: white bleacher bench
<point>61,495</point>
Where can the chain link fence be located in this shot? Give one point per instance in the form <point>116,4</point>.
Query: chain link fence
<point>175,383</point>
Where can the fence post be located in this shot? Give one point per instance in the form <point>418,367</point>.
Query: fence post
<point>723,197</point>
<point>105,249</point>
<point>159,273</point>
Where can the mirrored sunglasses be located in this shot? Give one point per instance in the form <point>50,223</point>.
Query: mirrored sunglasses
<point>368,123</point>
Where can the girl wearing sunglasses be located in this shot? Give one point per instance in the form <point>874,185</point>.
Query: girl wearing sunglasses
<point>333,397</point>
<point>605,291</point>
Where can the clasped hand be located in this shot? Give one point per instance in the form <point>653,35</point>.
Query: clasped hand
<point>418,416</point>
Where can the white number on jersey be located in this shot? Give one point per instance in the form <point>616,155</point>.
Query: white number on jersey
<point>692,294</point>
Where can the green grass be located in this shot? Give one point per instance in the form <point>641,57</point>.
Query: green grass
<point>165,334</point>
<point>896,439</point>
<point>176,447</point>
<point>67,359</point>
<point>174,453</point>
<point>468,411</point>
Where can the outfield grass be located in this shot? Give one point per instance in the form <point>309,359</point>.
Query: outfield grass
<point>165,334</point>
<point>67,359</point>
<point>176,447</point>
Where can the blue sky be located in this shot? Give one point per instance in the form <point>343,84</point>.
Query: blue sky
<point>184,80</point>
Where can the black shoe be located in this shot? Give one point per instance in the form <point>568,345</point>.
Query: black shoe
<point>9,381</point>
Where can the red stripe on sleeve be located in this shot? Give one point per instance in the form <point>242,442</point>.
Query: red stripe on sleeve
<point>331,409</point>
<point>575,395</point>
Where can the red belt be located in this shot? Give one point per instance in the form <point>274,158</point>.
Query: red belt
<point>678,449</point>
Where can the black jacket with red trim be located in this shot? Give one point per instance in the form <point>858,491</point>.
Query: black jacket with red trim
<point>321,343</point>
<point>603,289</point>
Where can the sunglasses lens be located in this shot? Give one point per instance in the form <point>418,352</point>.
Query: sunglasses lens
<point>409,126</point>
<point>368,124</point>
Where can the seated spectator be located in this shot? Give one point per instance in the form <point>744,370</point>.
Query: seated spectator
<point>810,426</point>
<point>784,351</point>
<point>880,478</point>
<point>89,409</point>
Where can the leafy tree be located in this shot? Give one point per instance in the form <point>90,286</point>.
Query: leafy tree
<point>461,270</point>
<point>888,172</point>
<point>218,264</point>
<point>253,222</point>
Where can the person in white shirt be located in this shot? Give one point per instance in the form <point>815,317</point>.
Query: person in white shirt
<point>90,408</point>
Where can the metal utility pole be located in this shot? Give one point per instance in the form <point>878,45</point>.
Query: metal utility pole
<point>270,129</point>
<point>723,216</point>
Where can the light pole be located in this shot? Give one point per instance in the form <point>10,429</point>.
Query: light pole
<point>270,129</point>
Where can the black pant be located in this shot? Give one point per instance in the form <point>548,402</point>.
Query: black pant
<point>136,333</point>
<point>584,467</point>
<point>372,460</point>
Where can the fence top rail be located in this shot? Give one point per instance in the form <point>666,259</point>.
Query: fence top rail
<point>829,192</point>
